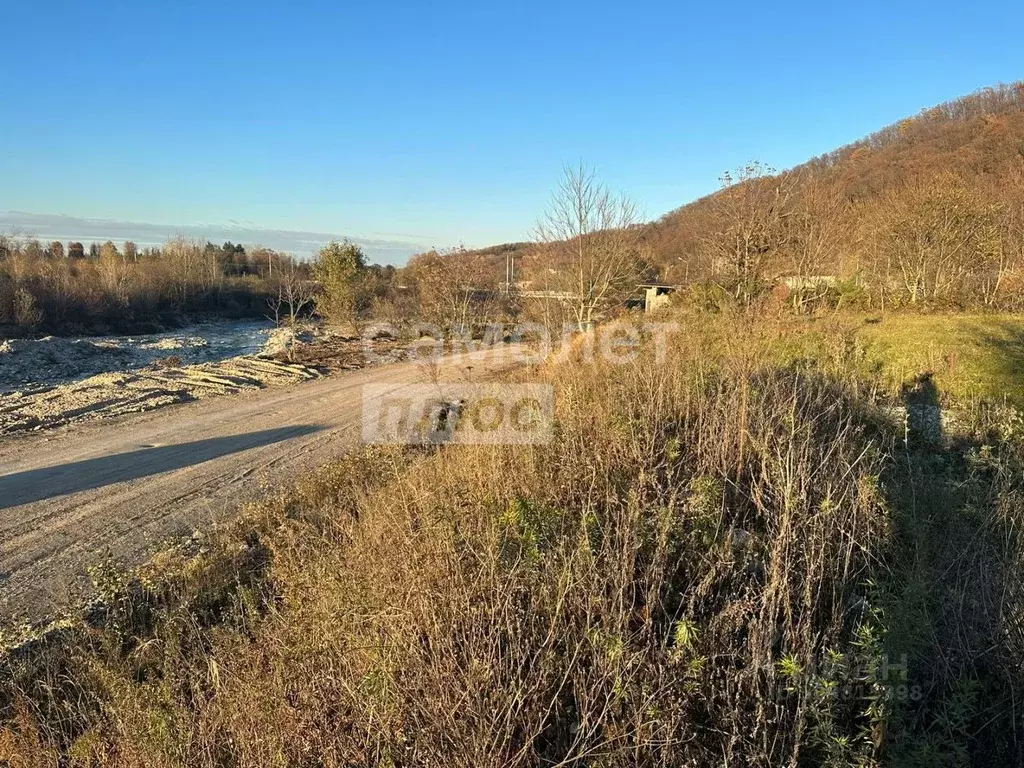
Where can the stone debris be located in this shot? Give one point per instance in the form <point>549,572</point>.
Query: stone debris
<point>192,341</point>
<point>53,382</point>
<point>33,360</point>
<point>116,394</point>
<point>285,339</point>
<point>56,360</point>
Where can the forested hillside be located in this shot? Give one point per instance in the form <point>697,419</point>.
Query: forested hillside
<point>930,209</point>
<point>927,211</point>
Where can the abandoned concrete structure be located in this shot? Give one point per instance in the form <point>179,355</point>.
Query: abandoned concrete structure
<point>656,295</point>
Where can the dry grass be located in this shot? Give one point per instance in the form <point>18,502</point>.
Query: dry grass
<point>703,567</point>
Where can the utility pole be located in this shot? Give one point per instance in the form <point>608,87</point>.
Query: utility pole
<point>510,272</point>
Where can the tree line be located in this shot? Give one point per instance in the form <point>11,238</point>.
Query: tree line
<point>54,288</point>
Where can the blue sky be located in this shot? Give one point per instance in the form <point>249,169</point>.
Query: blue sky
<point>438,123</point>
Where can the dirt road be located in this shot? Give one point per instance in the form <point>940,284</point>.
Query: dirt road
<point>123,486</point>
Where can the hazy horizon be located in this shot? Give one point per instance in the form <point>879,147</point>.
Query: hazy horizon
<point>453,120</point>
<point>386,248</point>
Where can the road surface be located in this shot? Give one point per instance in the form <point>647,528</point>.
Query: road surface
<point>122,487</point>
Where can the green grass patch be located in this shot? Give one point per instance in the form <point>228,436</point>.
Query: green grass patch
<point>971,356</point>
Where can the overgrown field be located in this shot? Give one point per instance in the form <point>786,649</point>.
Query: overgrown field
<point>747,553</point>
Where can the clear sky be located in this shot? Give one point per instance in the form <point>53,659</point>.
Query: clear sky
<point>449,122</point>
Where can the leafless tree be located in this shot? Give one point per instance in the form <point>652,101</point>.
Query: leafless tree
<point>592,241</point>
<point>455,288</point>
<point>940,235</point>
<point>753,211</point>
<point>113,271</point>
<point>817,229</point>
<point>295,292</point>
<point>1009,251</point>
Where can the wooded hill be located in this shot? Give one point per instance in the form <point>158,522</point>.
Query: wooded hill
<point>928,209</point>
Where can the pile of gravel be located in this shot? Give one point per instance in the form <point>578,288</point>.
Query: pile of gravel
<point>30,361</point>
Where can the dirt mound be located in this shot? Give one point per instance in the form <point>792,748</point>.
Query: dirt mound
<point>285,339</point>
<point>31,360</point>
<point>114,394</point>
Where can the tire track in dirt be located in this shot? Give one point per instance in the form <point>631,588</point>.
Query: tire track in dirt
<point>120,487</point>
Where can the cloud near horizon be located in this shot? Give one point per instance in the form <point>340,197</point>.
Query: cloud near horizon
<point>393,249</point>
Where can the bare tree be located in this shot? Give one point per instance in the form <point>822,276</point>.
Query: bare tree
<point>113,271</point>
<point>816,231</point>
<point>592,242</point>
<point>753,209</point>
<point>1009,251</point>
<point>295,292</point>
<point>455,288</point>
<point>940,235</point>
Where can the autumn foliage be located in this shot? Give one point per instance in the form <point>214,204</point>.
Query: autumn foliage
<point>927,211</point>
